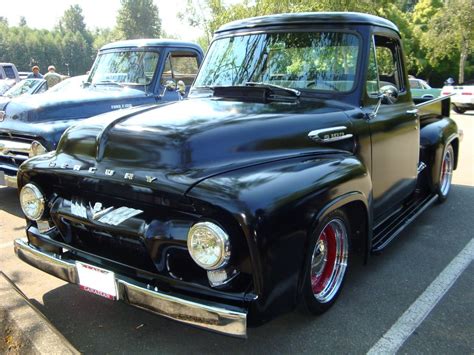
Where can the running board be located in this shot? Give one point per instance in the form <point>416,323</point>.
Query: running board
<point>387,231</point>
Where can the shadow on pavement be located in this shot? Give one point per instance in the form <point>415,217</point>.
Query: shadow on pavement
<point>9,201</point>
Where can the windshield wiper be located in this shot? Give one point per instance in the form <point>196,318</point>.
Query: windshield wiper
<point>107,82</point>
<point>272,87</point>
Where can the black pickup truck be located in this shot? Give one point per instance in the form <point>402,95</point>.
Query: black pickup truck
<point>299,146</point>
<point>125,74</point>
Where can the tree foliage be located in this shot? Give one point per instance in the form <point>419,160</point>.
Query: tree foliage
<point>138,19</point>
<point>450,34</point>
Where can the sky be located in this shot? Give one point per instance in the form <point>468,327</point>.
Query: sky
<point>97,13</point>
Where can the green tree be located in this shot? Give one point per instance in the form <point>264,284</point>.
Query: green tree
<point>450,34</point>
<point>22,22</point>
<point>73,20</point>
<point>76,42</point>
<point>138,19</point>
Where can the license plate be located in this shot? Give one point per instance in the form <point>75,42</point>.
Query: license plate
<point>2,178</point>
<point>97,281</point>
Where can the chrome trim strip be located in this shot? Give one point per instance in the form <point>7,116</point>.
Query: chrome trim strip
<point>439,98</point>
<point>198,314</point>
<point>328,134</point>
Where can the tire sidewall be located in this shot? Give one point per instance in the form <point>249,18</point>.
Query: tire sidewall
<point>442,197</point>
<point>311,303</point>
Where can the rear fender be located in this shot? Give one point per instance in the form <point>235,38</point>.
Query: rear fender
<point>435,136</point>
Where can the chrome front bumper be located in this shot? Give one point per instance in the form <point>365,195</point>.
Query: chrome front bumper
<point>9,181</point>
<point>196,313</point>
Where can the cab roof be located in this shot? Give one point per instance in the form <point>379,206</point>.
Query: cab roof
<point>309,18</point>
<point>151,42</point>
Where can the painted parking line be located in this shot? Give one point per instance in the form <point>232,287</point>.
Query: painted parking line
<point>394,338</point>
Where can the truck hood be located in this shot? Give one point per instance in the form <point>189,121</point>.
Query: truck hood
<point>69,104</point>
<point>194,139</point>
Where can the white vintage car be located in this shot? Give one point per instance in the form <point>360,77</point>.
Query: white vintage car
<point>463,99</point>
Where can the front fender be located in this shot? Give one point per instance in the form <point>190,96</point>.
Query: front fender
<point>277,205</point>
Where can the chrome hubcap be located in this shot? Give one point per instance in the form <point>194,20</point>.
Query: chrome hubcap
<point>446,172</point>
<point>329,261</point>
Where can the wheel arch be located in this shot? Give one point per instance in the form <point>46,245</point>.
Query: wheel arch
<point>356,207</point>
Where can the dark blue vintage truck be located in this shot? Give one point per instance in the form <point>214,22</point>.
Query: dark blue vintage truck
<point>125,74</point>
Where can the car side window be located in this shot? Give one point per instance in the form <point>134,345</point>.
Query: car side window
<point>180,65</point>
<point>372,74</point>
<point>415,84</point>
<point>389,62</point>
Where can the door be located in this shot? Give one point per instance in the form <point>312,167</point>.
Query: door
<point>394,129</point>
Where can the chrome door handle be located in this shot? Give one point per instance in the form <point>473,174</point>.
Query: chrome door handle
<point>412,112</point>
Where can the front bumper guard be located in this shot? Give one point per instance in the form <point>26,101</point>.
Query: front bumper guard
<point>211,317</point>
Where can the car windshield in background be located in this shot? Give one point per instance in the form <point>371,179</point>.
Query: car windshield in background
<point>320,61</point>
<point>124,68</point>
<point>26,86</point>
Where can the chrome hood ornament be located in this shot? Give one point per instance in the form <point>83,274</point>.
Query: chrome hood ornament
<point>108,215</point>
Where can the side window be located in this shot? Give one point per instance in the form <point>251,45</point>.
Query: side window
<point>389,63</point>
<point>385,65</point>
<point>167,72</point>
<point>180,66</point>
<point>415,84</point>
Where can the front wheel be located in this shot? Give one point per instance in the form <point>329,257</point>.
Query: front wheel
<point>327,263</point>
<point>446,173</point>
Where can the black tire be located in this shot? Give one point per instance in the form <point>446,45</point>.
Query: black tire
<point>445,173</point>
<point>327,263</point>
<point>458,109</point>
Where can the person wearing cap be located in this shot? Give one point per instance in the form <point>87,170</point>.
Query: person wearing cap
<point>51,77</point>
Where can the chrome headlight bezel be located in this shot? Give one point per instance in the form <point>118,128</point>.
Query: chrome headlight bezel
<point>39,198</point>
<point>36,148</point>
<point>216,238</point>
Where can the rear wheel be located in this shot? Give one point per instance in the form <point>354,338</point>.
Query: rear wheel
<point>446,173</point>
<point>327,263</point>
<point>458,109</point>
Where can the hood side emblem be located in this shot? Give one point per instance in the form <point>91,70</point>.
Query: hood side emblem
<point>328,135</point>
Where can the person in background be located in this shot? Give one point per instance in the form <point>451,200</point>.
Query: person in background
<point>35,73</point>
<point>51,77</point>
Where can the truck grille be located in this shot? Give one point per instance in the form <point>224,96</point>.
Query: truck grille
<point>13,152</point>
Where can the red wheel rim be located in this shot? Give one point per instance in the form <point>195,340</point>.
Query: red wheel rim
<point>329,261</point>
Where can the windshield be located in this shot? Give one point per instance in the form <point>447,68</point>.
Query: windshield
<point>317,61</point>
<point>124,68</point>
<point>23,87</point>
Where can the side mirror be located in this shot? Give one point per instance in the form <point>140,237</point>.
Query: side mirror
<point>388,94</point>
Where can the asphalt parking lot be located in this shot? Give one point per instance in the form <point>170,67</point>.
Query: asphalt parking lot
<point>374,298</point>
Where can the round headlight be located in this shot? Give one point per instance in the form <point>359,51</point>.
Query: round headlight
<point>36,148</point>
<point>32,202</point>
<point>208,245</point>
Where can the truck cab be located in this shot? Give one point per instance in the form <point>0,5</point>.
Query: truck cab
<point>124,74</point>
